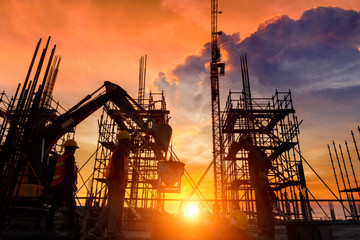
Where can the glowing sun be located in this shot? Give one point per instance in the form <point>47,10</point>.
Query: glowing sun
<point>191,210</point>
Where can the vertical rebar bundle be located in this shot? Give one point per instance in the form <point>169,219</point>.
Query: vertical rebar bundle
<point>142,79</point>
<point>346,190</point>
<point>50,81</point>
<point>12,153</point>
<point>21,157</point>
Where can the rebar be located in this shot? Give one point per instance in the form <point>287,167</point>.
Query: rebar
<point>350,195</point>
<point>356,148</point>
<point>352,167</point>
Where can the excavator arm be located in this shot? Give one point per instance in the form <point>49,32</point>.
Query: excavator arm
<point>114,93</point>
<point>66,122</point>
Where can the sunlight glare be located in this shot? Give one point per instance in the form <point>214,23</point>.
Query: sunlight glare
<point>191,210</point>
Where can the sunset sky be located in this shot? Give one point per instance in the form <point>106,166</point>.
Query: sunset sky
<point>291,44</point>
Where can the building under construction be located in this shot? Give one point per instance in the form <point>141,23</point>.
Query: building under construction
<point>150,176</point>
<point>27,154</point>
<point>274,128</point>
<point>34,126</point>
<point>273,125</point>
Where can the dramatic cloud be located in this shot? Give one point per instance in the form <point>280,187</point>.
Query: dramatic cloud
<point>319,50</point>
<point>316,56</point>
<point>186,88</point>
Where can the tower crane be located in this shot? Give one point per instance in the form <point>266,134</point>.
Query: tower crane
<point>216,68</point>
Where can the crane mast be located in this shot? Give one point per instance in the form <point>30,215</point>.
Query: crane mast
<point>215,66</point>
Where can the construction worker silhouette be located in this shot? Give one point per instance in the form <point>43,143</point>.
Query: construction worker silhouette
<point>64,185</point>
<point>259,166</point>
<point>116,174</point>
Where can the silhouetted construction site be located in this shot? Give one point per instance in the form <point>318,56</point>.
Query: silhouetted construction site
<point>34,127</point>
<point>274,126</point>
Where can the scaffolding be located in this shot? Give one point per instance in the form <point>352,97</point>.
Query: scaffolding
<point>145,191</point>
<point>25,168</point>
<point>273,125</point>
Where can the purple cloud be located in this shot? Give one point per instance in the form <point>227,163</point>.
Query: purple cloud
<point>318,51</point>
<point>316,56</point>
<point>320,47</point>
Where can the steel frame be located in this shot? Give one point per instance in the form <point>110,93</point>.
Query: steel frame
<point>274,127</point>
<point>142,194</point>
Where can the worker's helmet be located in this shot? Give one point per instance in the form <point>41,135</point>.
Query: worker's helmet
<point>123,135</point>
<point>71,143</point>
<point>238,219</point>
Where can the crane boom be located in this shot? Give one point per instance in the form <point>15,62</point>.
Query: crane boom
<point>220,203</point>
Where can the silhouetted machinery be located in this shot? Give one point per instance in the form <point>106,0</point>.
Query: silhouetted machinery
<point>169,174</point>
<point>27,169</point>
